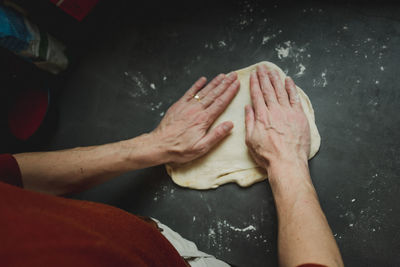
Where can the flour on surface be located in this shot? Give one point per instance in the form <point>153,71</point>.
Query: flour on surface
<point>322,81</point>
<point>283,51</point>
<point>221,44</point>
<point>209,46</point>
<point>301,68</point>
<point>266,39</point>
<point>139,82</point>
<point>154,106</point>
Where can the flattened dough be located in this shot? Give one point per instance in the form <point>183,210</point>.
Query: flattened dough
<point>230,161</point>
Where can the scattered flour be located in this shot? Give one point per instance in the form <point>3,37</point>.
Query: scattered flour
<point>321,81</point>
<point>324,81</point>
<point>301,68</point>
<point>283,51</point>
<point>289,50</point>
<point>140,82</point>
<point>227,225</point>
<point>266,39</point>
<point>221,44</point>
<point>211,233</point>
<point>154,106</point>
<point>209,46</point>
<point>248,228</point>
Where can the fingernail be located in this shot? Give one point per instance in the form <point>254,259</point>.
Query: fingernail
<point>231,74</point>
<point>226,127</point>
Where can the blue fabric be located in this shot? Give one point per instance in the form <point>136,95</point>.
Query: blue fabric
<point>14,34</point>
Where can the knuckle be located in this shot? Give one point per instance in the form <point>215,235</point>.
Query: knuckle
<point>214,93</point>
<point>282,96</point>
<point>204,118</point>
<point>201,117</point>
<point>219,132</point>
<point>219,102</point>
<point>200,149</point>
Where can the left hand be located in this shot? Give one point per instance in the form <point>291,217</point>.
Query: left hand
<point>184,131</point>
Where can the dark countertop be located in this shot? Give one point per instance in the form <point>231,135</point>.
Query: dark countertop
<point>143,58</point>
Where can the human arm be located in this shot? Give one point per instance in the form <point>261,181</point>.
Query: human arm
<point>278,138</point>
<point>181,136</point>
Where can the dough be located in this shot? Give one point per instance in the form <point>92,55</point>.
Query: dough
<point>230,160</point>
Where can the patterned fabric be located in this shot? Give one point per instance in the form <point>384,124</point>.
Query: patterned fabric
<point>14,34</point>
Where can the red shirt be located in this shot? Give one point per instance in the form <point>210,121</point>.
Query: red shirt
<point>43,230</point>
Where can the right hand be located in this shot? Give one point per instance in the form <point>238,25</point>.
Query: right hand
<point>184,131</point>
<point>277,129</point>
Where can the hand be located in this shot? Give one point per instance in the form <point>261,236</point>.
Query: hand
<point>277,129</point>
<point>184,131</point>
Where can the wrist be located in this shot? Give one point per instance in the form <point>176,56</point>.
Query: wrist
<point>145,150</point>
<point>287,164</point>
<point>288,175</point>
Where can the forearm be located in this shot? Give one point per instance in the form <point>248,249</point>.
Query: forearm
<point>304,235</point>
<point>72,170</point>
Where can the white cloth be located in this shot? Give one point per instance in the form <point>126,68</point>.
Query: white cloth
<point>188,250</point>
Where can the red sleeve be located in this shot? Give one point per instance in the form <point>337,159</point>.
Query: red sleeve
<point>9,170</point>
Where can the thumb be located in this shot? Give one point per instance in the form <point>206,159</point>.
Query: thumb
<point>216,135</point>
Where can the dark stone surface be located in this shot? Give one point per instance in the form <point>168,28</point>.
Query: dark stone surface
<point>350,54</point>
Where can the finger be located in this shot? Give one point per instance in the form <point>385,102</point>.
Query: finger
<point>195,88</point>
<point>291,90</point>
<point>249,120</point>
<point>214,83</point>
<point>215,136</point>
<point>266,86</point>
<point>220,89</point>
<point>220,104</point>
<point>279,87</point>
<point>256,96</point>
